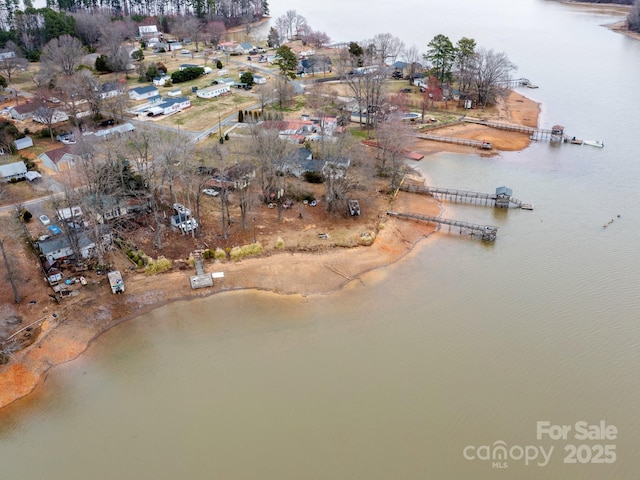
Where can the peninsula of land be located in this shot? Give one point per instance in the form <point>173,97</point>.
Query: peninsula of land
<point>69,328</point>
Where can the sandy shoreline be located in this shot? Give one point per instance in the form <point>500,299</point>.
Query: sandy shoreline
<point>322,272</point>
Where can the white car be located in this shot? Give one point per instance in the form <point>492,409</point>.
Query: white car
<point>189,225</point>
<point>181,209</point>
<point>210,191</point>
<point>44,219</point>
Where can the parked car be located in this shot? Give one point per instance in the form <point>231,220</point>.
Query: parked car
<point>107,123</point>
<point>210,191</point>
<point>184,51</point>
<point>45,220</point>
<point>189,225</point>
<point>181,209</point>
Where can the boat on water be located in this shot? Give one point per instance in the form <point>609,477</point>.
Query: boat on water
<point>593,143</point>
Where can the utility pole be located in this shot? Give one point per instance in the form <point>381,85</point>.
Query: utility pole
<point>16,295</point>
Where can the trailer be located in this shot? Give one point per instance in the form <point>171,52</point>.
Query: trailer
<point>115,280</point>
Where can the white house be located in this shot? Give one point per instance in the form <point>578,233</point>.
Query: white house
<point>142,93</point>
<point>6,55</point>
<point>160,81</point>
<point>214,91</point>
<point>259,80</point>
<point>58,159</point>
<point>110,90</point>
<point>171,105</point>
<point>148,31</point>
<point>11,171</point>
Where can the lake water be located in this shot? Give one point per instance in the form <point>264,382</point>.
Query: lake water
<point>458,346</point>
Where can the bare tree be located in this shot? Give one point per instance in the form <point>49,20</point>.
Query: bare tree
<point>89,27</point>
<point>12,65</point>
<point>45,115</point>
<point>113,36</point>
<point>392,136</point>
<point>63,54</point>
<point>490,72</point>
<point>387,47</point>
<point>283,91</point>
<point>412,56</point>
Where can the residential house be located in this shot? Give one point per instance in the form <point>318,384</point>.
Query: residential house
<point>58,159</point>
<point>59,247</point>
<point>6,55</point>
<point>110,90</point>
<point>52,270</point>
<point>259,80</point>
<point>148,31</point>
<point>241,174</point>
<point>13,171</point>
<point>336,168</point>
<point>118,129</point>
<point>300,163</point>
<point>315,64</point>
<point>24,111</point>
<point>57,116</point>
<point>189,65</point>
<point>160,81</point>
<point>170,105</point>
<point>22,143</point>
<point>214,91</point>
<point>142,93</point>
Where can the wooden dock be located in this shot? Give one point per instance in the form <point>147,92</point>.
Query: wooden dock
<point>200,279</point>
<point>464,196</point>
<point>457,141</point>
<point>485,232</point>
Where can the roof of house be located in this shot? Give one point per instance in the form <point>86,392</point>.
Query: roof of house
<point>11,169</point>
<point>504,191</point>
<point>125,127</point>
<point>56,154</point>
<point>146,29</point>
<point>109,87</point>
<point>25,108</point>
<point>145,89</point>
<point>246,46</point>
<point>25,142</point>
<point>171,101</point>
<point>53,244</point>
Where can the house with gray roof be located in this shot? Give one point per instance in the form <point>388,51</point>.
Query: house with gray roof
<point>13,171</point>
<point>142,93</point>
<point>22,143</point>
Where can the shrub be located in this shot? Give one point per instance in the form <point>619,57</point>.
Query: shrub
<point>280,243</point>
<point>218,64</point>
<point>220,254</point>
<point>238,253</point>
<point>313,177</point>
<point>208,253</point>
<point>26,216</point>
<point>161,264</point>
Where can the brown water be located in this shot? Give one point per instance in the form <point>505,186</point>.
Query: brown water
<point>461,344</point>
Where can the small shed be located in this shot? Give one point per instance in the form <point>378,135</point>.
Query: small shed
<point>22,143</point>
<point>503,197</point>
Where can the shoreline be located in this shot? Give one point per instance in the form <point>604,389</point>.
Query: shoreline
<point>322,272</point>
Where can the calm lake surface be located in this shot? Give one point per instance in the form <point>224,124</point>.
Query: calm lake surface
<point>458,346</point>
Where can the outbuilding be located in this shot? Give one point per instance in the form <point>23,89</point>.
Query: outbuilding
<point>214,91</point>
<point>22,143</point>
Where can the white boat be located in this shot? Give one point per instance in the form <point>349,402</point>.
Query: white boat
<point>594,143</point>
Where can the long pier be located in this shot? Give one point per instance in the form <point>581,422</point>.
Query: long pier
<point>458,141</point>
<point>464,196</point>
<point>534,133</point>
<point>485,232</point>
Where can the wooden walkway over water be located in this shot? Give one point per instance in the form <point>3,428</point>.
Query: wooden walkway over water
<point>534,133</point>
<point>458,141</point>
<point>464,196</point>
<point>485,232</point>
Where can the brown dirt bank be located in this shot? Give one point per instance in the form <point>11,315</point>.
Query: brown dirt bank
<point>81,320</point>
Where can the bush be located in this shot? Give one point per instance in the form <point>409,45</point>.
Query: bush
<point>280,243</point>
<point>220,254</point>
<point>26,216</point>
<point>238,253</point>
<point>187,74</point>
<point>208,253</point>
<point>161,264</point>
<point>219,65</point>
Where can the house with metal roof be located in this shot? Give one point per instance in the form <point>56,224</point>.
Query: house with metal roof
<point>13,171</point>
<point>22,143</point>
<point>142,93</point>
